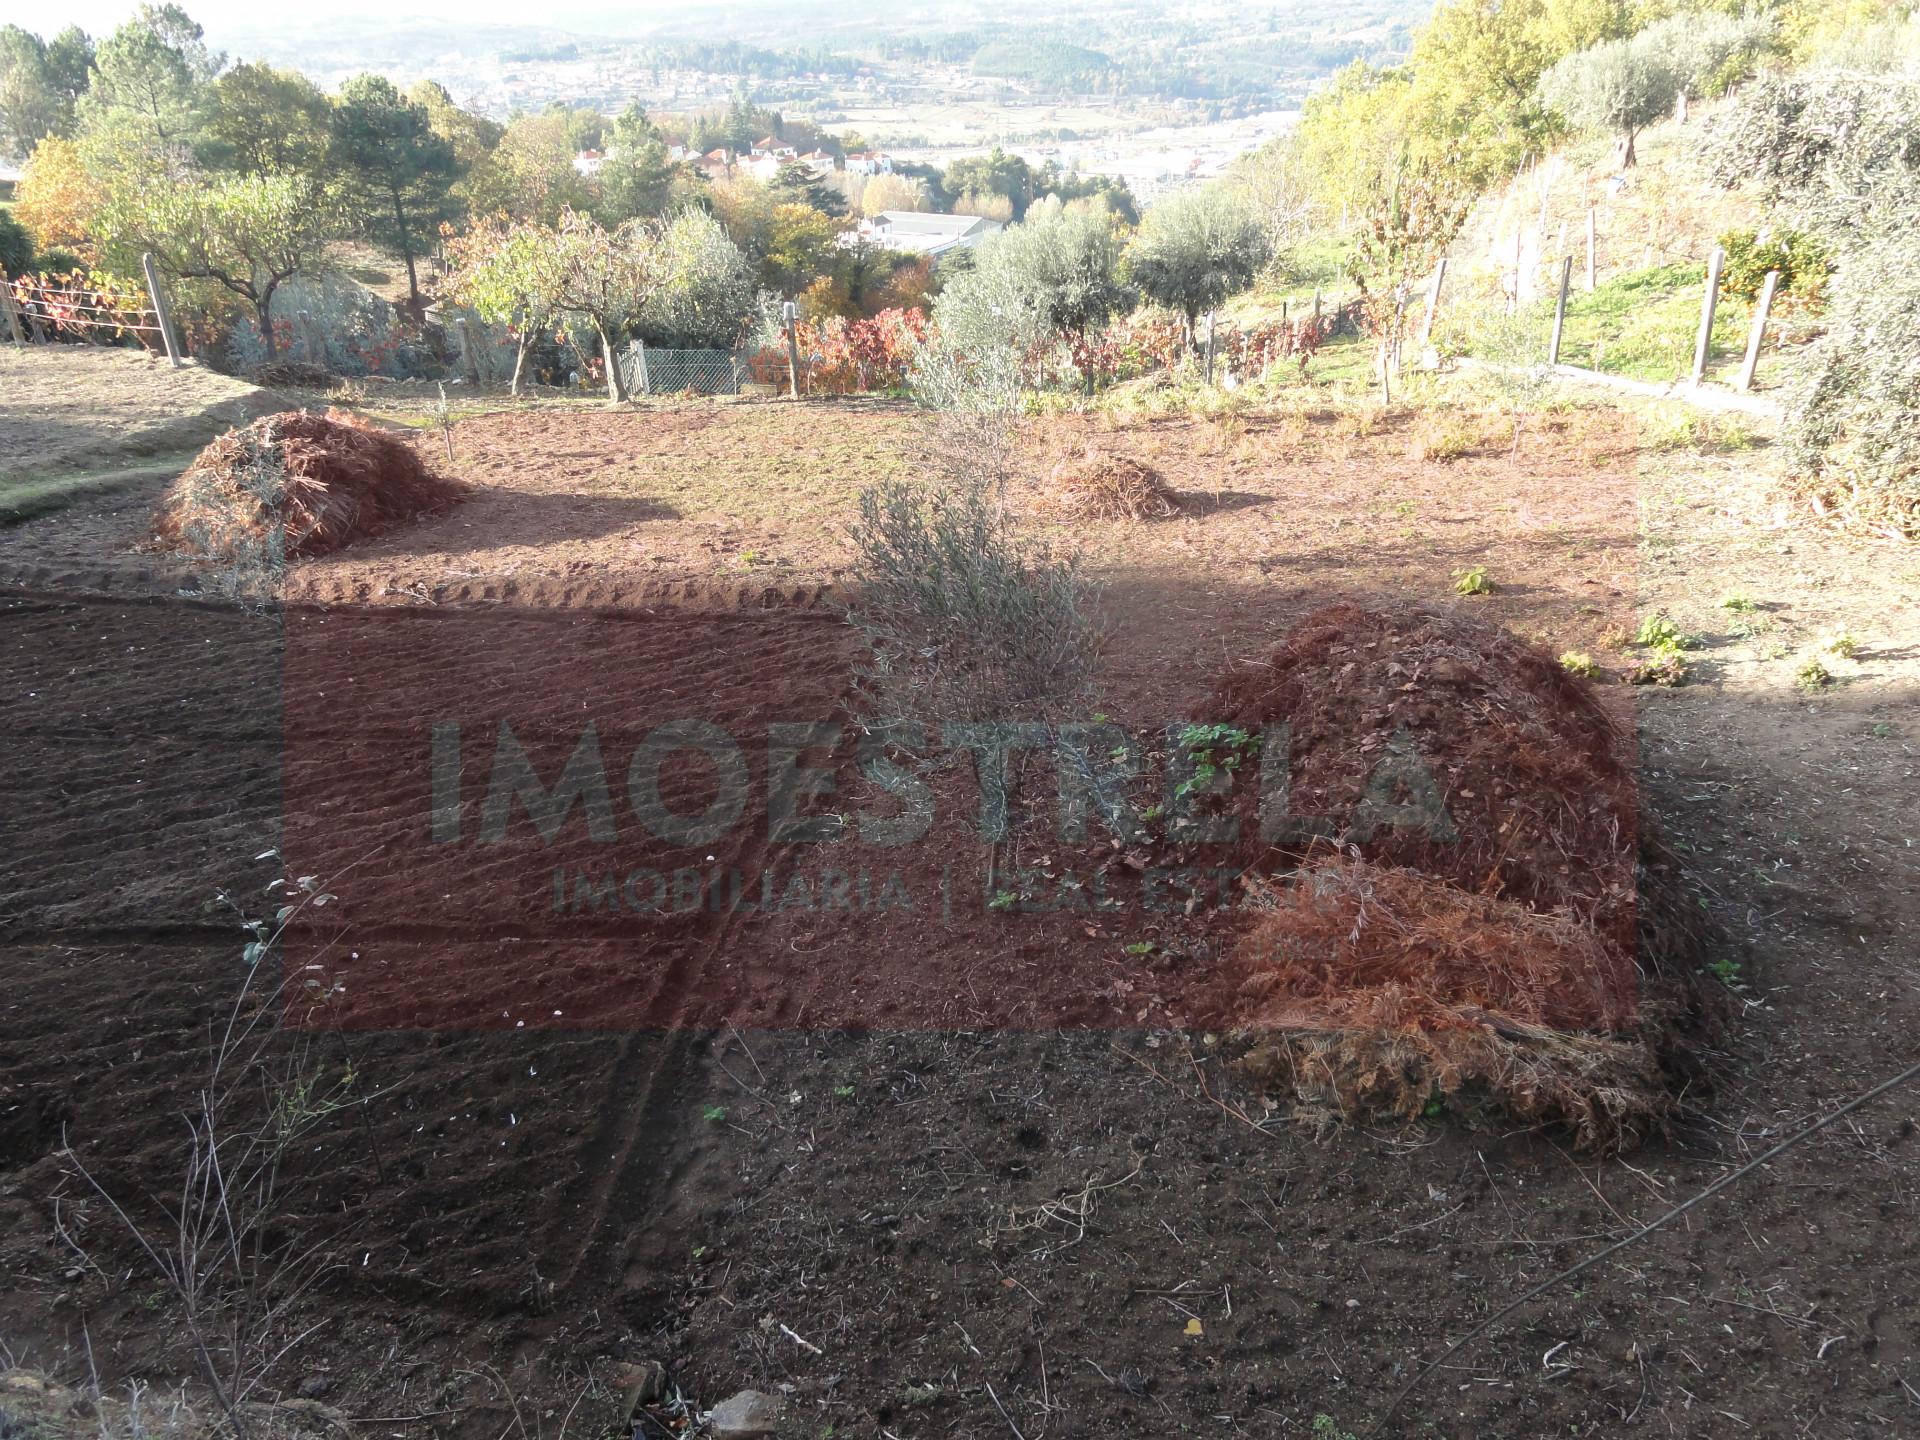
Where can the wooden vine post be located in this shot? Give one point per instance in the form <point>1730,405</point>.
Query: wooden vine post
<point>1433,302</point>
<point>1560,310</point>
<point>791,314</point>
<point>13,312</point>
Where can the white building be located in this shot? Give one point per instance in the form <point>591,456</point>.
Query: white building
<point>917,232</point>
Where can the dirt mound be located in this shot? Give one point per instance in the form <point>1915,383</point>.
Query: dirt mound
<point>1097,486</point>
<point>293,374</point>
<point>298,483</point>
<point>1446,746</point>
<point>1478,917</point>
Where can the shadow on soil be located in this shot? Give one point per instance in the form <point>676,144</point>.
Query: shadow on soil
<point>1103,1227</point>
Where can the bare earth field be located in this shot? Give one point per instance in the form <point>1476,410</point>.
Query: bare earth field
<point>70,407</point>
<point>929,1167</point>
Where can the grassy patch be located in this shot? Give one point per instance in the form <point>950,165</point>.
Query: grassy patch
<point>1643,325</point>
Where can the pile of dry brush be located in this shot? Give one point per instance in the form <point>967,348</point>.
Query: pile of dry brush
<point>1098,486</point>
<point>296,484</point>
<point>1512,936</point>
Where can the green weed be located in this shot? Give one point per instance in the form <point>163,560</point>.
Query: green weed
<point>1813,675</point>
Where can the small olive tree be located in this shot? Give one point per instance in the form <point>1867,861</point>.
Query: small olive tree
<point>1618,87</point>
<point>988,324</point>
<point>1198,249</point>
<point>1068,257</point>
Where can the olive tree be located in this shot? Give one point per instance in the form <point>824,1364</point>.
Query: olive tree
<point>1070,254</point>
<point>1198,249</point>
<point>709,286</point>
<point>987,325</point>
<point>1706,49</point>
<point>1617,88</point>
<point>1839,153</point>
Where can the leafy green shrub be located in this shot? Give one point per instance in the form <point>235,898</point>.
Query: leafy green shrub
<point>1658,632</point>
<point>1803,261</point>
<point>16,246</point>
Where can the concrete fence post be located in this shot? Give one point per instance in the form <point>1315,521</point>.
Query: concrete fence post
<point>641,372</point>
<point>1593,269</point>
<point>791,314</point>
<point>469,364</point>
<point>1708,304</point>
<point>160,311</point>
<point>1433,302</point>
<point>1759,332</point>
<point>1560,310</point>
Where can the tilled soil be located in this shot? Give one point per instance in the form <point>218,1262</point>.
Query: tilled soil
<point>947,1169</point>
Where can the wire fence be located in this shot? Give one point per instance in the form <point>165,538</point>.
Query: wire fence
<point>650,371</point>
<point>46,308</point>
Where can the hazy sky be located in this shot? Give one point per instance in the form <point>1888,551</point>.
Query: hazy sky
<point>100,16</point>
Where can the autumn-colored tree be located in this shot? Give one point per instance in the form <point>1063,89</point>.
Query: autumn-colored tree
<point>894,192</point>
<point>606,279</point>
<point>1406,229</point>
<point>57,199</point>
<point>987,207</point>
